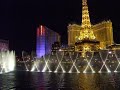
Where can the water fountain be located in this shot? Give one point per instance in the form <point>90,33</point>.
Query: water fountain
<point>7,61</point>
<point>73,65</point>
<point>103,60</point>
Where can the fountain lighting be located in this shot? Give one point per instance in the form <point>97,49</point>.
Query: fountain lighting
<point>50,71</point>
<point>73,59</point>
<point>46,65</point>
<point>110,52</point>
<point>35,66</point>
<point>73,65</point>
<point>59,64</point>
<point>99,72</point>
<point>24,61</point>
<point>27,70</point>
<point>104,63</point>
<point>32,69</point>
<point>26,66</point>
<point>109,71</point>
<point>64,71</point>
<point>115,71</point>
<point>70,71</point>
<point>84,72</point>
<point>7,61</point>
<point>118,63</point>
<point>89,65</point>
<point>55,71</point>
<point>116,68</point>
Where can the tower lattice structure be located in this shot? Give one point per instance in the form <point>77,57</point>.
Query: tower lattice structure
<point>86,33</point>
<point>86,41</point>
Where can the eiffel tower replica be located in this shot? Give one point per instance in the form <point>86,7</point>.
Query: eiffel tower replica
<point>86,41</point>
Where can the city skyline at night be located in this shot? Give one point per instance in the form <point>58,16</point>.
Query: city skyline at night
<point>19,19</point>
<point>59,45</point>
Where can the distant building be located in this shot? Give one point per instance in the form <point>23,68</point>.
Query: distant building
<point>55,47</point>
<point>102,32</point>
<point>45,38</point>
<point>4,45</point>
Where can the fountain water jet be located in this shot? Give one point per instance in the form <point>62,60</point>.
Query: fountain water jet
<point>104,63</point>
<point>59,64</point>
<point>35,66</point>
<point>116,70</point>
<point>46,64</point>
<point>89,65</point>
<point>100,62</point>
<point>7,61</point>
<point>73,65</point>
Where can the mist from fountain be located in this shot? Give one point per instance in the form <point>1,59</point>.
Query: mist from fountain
<point>7,61</point>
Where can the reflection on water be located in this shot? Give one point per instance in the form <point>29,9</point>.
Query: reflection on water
<point>59,81</point>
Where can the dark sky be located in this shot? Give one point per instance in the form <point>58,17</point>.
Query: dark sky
<point>20,18</point>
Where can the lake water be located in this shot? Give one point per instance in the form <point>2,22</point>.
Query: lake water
<point>21,80</point>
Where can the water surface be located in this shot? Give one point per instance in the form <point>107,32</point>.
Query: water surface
<point>21,80</point>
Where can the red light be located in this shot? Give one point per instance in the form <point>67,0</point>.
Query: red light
<point>42,30</point>
<point>38,31</point>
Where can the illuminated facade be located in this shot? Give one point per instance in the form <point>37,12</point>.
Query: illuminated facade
<point>73,31</point>
<point>103,31</point>
<point>86,41</point>
<point>45,38</point>
<point>4,45</point>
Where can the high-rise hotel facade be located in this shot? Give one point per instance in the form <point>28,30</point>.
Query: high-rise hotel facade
<point>45,38</point>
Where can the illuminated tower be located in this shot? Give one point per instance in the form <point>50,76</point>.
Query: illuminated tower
<point>86,41</point>
<point>86,32</point>
<point>40,48</point>
<point>103,31</point>
<point>45,38</point>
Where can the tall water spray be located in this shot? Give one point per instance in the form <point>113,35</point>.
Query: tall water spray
<point>94,62</point>
<point>7,61</point>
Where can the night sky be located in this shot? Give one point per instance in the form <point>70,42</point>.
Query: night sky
<point>20,18</point>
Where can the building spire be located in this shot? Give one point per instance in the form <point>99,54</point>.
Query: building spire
<point>86,33</point>
<point>85,15</point>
